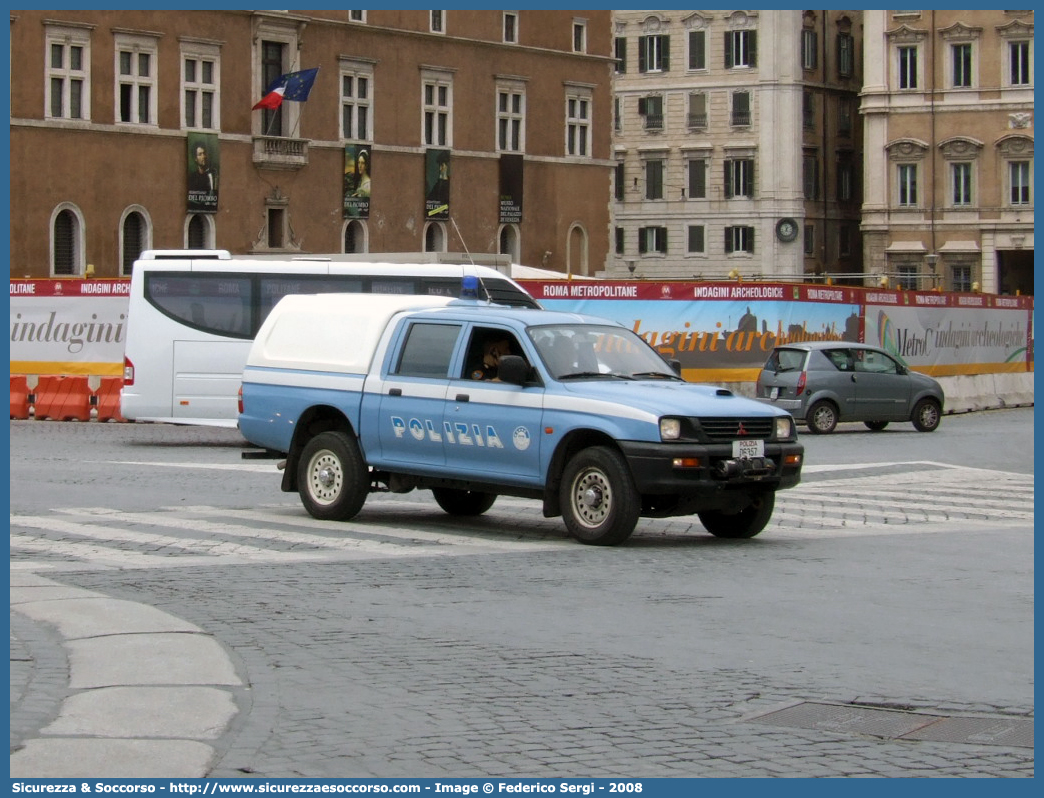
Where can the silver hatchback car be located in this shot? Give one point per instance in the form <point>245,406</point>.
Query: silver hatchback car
<point>824,382</point>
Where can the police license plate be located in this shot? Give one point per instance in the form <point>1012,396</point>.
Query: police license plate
<point>748,448</point>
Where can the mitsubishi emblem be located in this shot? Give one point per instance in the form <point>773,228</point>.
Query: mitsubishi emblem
<point>742,430</point>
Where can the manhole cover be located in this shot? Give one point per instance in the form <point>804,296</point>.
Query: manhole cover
<point>848,719</point>
<point>1013,732</point>
<point>896,724</point>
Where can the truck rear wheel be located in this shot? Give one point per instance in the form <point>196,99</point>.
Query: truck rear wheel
<point>463,502</point>
<point>744,524</point>
<point>332,477</point>
<point>600,505</point>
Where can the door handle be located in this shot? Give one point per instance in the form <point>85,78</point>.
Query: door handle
<point>463,397</point>
<point>395,392</point>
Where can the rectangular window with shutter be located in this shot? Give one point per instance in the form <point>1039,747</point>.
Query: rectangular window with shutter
<point>739,177</point>
<point>654,180</point>
<point>697,114</point>
<point>740,48</point>
<point>809,49</point>
<point>696,238</point>
<point>651,108</point>
<point>697,49</point>
<point>697,178</point>
<point>739,238</point>
<point>845,55</point>
<point>741,108</point>
<point>654,53</point>
<point>962,65</point>
<point>620,51</point>
<point>652,239</point>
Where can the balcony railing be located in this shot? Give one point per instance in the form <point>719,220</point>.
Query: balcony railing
<point>654,121</point>
<point>276,152</point>
<point>697,121</point>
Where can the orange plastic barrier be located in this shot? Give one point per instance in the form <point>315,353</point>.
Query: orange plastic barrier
<point>19,396</point>
<point>107,399</point>
<point>63,399</point>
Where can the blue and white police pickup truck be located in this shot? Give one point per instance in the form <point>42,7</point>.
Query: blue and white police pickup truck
<point>390,393</point>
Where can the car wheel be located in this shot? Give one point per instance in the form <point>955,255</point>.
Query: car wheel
<point>332,477</point>
<point>822,417</point>
<point>600,505</point>
<point>926,415</point>
<point>463,502</point>
<point>744,524</point>
<point>876,426</point>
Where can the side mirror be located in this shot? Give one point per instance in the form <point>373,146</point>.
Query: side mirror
<point>513,369</point>
<point>675,365</point>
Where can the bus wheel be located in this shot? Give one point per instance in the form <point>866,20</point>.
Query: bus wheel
<point>332,477</point>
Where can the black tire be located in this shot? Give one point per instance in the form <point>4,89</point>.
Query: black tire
<point>600,505</point>
<point>745,524</point>
<point>927,415</point>
<point>876,426</point>
<point>821,417</point>
<point>463,502</point>
<point>332,477</point>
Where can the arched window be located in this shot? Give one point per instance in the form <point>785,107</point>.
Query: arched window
<point>199,232</point>
<point>577,252</point>
<point>355,237</point>
<point>133,239</point>
<point>135,236</point>
<point>435,237</point>
<point>510,243</point>
<point>67,251</point>
<point>65,226</point>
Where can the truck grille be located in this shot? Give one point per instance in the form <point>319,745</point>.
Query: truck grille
<point>732,429</point>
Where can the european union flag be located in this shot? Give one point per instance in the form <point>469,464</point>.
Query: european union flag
<point>292,86</point>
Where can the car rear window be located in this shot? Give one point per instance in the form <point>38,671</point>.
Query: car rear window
<point>786,360</point>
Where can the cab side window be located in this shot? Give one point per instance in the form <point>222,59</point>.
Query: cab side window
<point>841,358</point>
<point>427,351</point>
<point>484,349</point>
<point>876,362</point>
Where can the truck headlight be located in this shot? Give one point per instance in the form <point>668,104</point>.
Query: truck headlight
<point>670,429</point>
<point>784,427</point>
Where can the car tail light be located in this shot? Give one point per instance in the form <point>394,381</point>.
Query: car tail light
<point>800,388</point>
<point>240,400</point>
<point>128,371</point>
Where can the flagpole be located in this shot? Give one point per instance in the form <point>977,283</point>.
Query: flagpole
<point>297,122</point>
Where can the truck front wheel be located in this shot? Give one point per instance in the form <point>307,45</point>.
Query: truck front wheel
<point>463,502</point>
<point>744,524</point>
<point>600,505</point>
<point>332,477</point>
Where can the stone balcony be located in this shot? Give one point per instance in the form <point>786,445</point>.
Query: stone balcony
<point>277,152</point>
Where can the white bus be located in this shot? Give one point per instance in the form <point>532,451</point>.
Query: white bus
<point>194,313</point>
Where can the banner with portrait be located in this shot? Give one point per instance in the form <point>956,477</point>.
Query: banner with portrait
<point>202,168</point>
<point>358,167</point>
<point>511,188</point>
<point>436,184</point>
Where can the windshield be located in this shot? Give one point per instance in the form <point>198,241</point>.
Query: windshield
<point>578,351</point>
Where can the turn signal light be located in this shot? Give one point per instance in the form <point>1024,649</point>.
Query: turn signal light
<point>686,462</point>
<point>792,460</point>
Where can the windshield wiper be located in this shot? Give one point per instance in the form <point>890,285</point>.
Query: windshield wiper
<point>582,374</point>
<point>640,375</point>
